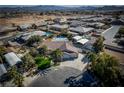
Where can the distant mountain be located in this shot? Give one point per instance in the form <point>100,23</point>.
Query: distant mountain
<point>41,8</point>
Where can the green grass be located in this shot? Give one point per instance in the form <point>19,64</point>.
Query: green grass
<point>43,62</point>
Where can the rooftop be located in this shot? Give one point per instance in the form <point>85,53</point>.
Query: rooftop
<point>26,36</point>
<point>64,46</point>
<point>2,70</point>
<point>83,41</point>
<point>12,58</point>
<point>77,37</point>
<point>81,29</point>
<point>59,26</point>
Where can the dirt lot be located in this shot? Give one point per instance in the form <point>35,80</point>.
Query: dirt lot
<point>23,19</point>
<point>118,55</point>
<point>26,19</point>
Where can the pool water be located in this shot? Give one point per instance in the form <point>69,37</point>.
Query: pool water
<point>60,38</point>
<point>48,33</point>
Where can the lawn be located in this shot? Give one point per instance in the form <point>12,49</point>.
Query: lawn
<point>43,62</point>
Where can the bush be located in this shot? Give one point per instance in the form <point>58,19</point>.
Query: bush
<point>121,31</point>
<point>43,62</point>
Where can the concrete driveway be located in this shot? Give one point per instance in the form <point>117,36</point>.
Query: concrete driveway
<point>56,76</point>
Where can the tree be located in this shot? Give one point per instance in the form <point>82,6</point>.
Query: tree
<point>16,76</point>
<point>34,52</point>
<point>92,57</point>
<point>43,50</point>
<point>34,26</point>
<point>121,32</point>
<point>19,28</point>
<point>98,45</point>
<point>1,61</point>
<point>18,80</point>
<point>33,39</point>
<point>106,69</point>
<point>56,55</point>
<point>28,62</point>
<point>2,51</point>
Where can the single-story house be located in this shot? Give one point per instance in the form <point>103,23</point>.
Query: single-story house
<point>2,70</point>
<point>117,22</point>
<point>26,36</point>
<point>42,23</point>
<point>12,59</point>
<point>58,27</point>
<point>96,24</point>
<point>70,52</point>
<point>6,29</point>
<point>76,38</point>
<point>82,41</point>
<point>60,20</point>
<point>81,30</point>
<point>25,26</point>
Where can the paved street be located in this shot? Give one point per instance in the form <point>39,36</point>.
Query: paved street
<point>110,33</point>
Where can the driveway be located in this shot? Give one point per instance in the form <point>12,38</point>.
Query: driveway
<point>77,63</point>
<point>56,76</point>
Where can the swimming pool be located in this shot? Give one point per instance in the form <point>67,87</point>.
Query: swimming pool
<point>60,38</point>
<point>48,33</point>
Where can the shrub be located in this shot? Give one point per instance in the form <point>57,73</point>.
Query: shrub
<point>43,62</point>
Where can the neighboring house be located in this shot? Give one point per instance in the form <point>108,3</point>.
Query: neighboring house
<point>26,36</point>
<point>81,30</point>
<point>58,27</point>
<point>12,59</point>
<point>96,24</point>
<point>7,29</point>
<point>2,70</point>
<point>117,22</point>
<point>60,20</point>
<point>82,41</point>
<point>76,38</point>
<point>25,26</point>
<point>70,52</point>
<point>41,24</point>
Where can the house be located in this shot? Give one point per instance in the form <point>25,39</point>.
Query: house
<point>2,70</point>
<point>69,51</point>
<point>117,22</point>
<point>12,59</point>
<point>60,20</point>
<point>96,24</point>
<point>7,29</point>
<point>58,27</point>
<point>81,30</point>
<point>82,41</point>
<point>25,26</point>
<point>24,37</point>
<point>41,24</point>
<point>76,38</point>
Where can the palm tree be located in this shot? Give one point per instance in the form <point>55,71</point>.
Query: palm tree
<point>56,55</point>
